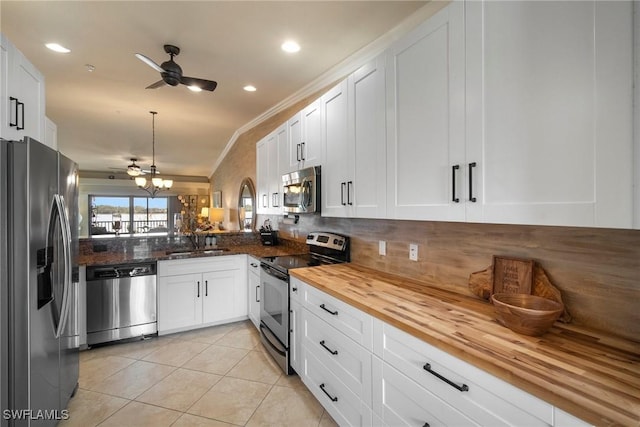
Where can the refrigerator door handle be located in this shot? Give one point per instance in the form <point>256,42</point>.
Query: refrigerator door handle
<point>65,231</point>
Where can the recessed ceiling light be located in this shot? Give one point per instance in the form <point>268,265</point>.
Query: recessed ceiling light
<point>249,88</point>
<point>57,48</point>
<point>194,88</point>
<point>290,46</point>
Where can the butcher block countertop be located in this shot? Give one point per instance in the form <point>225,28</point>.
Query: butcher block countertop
<point>583,372</point>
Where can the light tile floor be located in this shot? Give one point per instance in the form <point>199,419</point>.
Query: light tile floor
<point>218,376</point>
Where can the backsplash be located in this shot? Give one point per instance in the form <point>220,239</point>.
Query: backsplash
<point>597,270</point>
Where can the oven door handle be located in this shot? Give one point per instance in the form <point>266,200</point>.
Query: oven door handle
<point>263,328</point>
<point>273,272</point>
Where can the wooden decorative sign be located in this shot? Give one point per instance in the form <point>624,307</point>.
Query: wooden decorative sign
<point>512,275</point>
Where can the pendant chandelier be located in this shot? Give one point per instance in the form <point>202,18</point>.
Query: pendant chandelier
<point>157,183</point>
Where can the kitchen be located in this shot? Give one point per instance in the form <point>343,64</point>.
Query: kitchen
<point>594,264</point>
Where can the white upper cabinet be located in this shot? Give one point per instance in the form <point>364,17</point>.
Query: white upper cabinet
<point>549,112</point>
<point>425,125</point>
<point>23,95</point>
<point>50,134</point>
<point>305,145</point>
<point>354,169</point>
<point>270,153</point>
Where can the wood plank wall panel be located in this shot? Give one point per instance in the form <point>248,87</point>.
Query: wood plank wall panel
<point>597,270</point>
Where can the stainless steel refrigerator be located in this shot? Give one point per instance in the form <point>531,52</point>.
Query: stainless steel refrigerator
<point>39,294</point>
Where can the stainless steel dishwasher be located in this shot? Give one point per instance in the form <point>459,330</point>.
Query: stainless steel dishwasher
<point>121,302</point>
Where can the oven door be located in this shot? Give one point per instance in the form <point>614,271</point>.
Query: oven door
<point>274,302</point>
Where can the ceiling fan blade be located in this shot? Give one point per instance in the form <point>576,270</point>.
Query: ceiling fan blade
<point>209,85</point>
<point>156,85</point>
<point>149,62</point>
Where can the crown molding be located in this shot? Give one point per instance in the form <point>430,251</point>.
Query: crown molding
<point>338,71</point>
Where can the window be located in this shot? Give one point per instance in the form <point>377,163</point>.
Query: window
<point>134,215</point>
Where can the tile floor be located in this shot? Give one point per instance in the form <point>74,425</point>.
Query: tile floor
<point>218,376</point>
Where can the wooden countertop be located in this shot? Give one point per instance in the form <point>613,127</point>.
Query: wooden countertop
<point>583,372</point>
<point>121,257</point>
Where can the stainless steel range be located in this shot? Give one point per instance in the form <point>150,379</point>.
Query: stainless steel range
<point>324,248</point>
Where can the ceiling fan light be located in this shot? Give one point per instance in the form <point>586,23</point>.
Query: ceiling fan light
<point>157,182</point>
<point>168,183</point>
<point>194,88</point>
<point>141,181</point>
<point>133,171</point>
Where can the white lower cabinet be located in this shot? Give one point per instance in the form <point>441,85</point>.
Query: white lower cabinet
<point>352,362</point>
<point>253,288</point>
<point>200,292</point>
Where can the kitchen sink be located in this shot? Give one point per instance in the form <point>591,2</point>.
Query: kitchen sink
<point>189,252</point>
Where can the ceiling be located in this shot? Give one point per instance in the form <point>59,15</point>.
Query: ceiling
<point>103,116</point>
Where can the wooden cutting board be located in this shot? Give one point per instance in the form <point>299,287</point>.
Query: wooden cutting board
<point>512,275</point>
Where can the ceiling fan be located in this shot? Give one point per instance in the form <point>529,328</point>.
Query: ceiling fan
<point>172,73</point>
<point>134,169</point>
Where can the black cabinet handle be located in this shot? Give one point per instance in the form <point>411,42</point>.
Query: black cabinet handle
<point>21,105</point>
<point>298,152</point>
<point>333,399</point>
<point>342,186</point>
<point>302,151</point>
<point>334,352</point>
<point>335,313</point>
<point>471,166</point>
<point>463,387</point>
<point>198,289</point>
<point>349,185</point>
<point>294,290</point>
<point>454,168</point>
<point>257,287</point>
<point>426,425</point>
<point>13,124</point>
<point>206,288</point>
<point>254,265</point>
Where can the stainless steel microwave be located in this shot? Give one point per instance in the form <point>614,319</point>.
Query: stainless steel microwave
<point>302,190</point>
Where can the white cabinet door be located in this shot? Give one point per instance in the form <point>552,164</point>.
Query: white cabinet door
<point>220,296</point>
<point>549,114</point>
<point>262,176</point>
<point>253,290</point>
<point>295,336</point>
<point>305,137</point>
<point>354,145</point>
<point>179,301</point>
<point>23,95</point>
<point>367,92</point>
<point>337,141</point>
<point>425,134</point>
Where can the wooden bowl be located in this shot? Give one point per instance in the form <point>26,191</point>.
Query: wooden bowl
<point>526,314</point>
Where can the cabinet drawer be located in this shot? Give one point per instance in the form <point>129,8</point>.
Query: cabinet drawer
<point>345,407</point>
<point>400,401</point>
<point>352,322</point>
<point>348,360</point>
<point>486,399</point>
<point>199,265</point>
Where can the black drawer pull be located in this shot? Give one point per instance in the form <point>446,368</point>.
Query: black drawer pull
<point>198,289</point>
<point>13,124</point>
<point>21,105</point>
<point>302,145</point>
<point>334,352</point>
<point>333,399</point>
<point>257,287</point>
<point>471,166</point>
<point>206,288</point>
<point>454,168</point>
<point>335,313</point>
<point>342,186</point>
<point>463,387</point>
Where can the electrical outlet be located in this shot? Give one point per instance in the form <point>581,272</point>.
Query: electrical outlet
<point>382,247</point>
<point>413,252</point>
